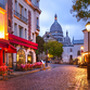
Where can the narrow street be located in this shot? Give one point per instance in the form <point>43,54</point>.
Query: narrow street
<point>60,77</point>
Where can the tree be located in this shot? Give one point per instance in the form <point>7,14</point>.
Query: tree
<point>81,9</point>
<point>40,42</point>
<point>54,48</point>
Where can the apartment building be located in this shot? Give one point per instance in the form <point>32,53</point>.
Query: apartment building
<point>22,27</point>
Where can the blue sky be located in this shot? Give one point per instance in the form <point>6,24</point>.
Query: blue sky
<point>62,8</point>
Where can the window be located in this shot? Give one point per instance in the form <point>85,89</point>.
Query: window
<point>15,5</point>
<point>33,36</point>
<point>21,9</point>
<point>25,14</point>
<point>9,23</point>
<point>20,32</point>
<point>70,49</point>
<point>78,53</point>
<point>25,34</point>
<point>71,57</point>
<point>15,29</point>
<point>37,21</point>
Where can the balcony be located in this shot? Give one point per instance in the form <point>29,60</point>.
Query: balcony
<point>2,5</point>
<point>20,16</point>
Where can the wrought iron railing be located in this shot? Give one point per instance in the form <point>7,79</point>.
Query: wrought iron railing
<point>20,16</point>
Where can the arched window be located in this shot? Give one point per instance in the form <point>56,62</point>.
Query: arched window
<point>21,58</point>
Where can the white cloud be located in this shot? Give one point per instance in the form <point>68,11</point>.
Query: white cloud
<point>74,31</point>
<point>65,18</point>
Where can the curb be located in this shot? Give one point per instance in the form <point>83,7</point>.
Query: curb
<point>20,73</point>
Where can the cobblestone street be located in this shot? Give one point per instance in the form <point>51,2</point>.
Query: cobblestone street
<point>60,77</point>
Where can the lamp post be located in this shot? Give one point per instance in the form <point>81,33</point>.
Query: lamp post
<point>82,48</point>
<point>88,65</point>
<point>47,58</point>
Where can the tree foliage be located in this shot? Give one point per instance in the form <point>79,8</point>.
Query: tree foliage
<point>54,48</point>
<point>81,9</point>
<point>40,42</point>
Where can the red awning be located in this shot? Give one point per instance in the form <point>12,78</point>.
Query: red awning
<point>3,43</point>
<point>23,42</point>
<point>7,46</point>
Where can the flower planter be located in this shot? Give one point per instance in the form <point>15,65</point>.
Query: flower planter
<point>25,67</point>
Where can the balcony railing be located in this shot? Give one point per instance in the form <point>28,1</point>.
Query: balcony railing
<point>2,6</point>
<point>20,16</point>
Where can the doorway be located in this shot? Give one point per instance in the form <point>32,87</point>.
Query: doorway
<point>30,58</point>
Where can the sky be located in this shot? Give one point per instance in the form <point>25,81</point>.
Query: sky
<point>68,23</point>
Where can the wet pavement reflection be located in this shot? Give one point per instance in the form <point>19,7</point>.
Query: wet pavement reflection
<point>59,77</point>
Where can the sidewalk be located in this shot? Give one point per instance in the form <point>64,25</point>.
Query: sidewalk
<point>19,73</point>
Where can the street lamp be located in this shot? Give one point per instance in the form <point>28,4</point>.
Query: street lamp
<point>82,48</point>
<point>47,58</point>
<point>88,65</point>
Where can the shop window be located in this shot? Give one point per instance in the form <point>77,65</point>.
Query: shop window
<point>10,60</point>
<point>21,58</point>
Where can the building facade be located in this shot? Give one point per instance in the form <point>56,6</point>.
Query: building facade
<point>73,51</point>
<point>85,56</point>
<point>23,27</point>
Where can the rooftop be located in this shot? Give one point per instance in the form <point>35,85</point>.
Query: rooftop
<point>78,42</point>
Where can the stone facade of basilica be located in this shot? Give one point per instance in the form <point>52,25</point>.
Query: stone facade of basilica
<point>71,50</point>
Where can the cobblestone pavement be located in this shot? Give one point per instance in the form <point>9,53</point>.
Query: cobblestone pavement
<point>62,77</point>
